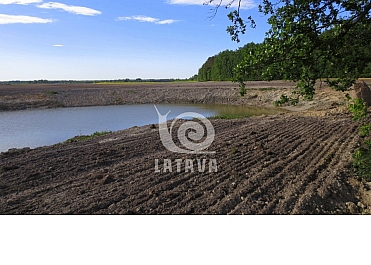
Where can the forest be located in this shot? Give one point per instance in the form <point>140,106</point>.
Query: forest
<point>221,67</point>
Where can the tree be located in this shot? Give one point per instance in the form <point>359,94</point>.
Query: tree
<point>204,74</point>
<point>306,40</point>
<point>221,67</point>
<point>309,40</point>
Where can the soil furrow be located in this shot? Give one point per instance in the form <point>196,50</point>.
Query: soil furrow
<point>273,176</point>
<point>318,160</point>
<point>276,164</point>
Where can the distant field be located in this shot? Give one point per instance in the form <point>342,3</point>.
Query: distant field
<point>143,82</point>
<point>125,83</point>
<point>367,80</point>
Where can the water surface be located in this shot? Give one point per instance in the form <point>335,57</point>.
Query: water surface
<point>40,127</point>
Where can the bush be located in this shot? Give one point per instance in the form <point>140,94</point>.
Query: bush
<point>86,137</point>
<point>283,100</point>
<point>358,108</point>
<point>362,161</point>
<point>362,156</point>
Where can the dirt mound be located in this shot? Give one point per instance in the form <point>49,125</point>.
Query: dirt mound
<point>258,93</point>
<point>362,90</point>
<point>280,164</point>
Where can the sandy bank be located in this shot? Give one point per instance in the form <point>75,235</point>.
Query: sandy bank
<point>17,97</point>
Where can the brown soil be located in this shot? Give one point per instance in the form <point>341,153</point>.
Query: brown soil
<point>275,165</point>
<point>14,97</point>
<point>279,164</point>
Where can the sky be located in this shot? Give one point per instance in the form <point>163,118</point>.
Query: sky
<point>114,39</point>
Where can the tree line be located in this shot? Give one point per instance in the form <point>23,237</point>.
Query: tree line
<point>222,67</point>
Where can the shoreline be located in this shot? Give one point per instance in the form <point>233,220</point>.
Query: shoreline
<point>210,111</point>
<point>259,94</point>
<point>291,163</point>
<point>276,164</point>
<point>17,97</point>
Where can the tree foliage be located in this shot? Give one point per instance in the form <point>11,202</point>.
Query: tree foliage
<point>308,40</point>
<point>222,67</point>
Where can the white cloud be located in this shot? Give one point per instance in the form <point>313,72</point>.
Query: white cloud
<point>19,2</point>
<point>149,19</point>
<point>166,21</point>
<point>245,4</point>
<point>79,10</point>
<point>58,45</point>
<point>139,18</point>
<point>9,19</point>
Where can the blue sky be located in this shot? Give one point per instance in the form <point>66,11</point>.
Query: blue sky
<point>112,39</point>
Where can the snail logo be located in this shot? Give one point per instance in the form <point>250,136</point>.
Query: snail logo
<point>191,134</point>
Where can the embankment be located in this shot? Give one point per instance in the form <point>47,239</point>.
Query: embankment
<point>15,97</point>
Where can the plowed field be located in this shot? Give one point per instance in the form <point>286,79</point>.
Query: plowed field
<point>282,164</point>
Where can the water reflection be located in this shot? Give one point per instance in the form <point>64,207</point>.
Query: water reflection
<point>39,127</point>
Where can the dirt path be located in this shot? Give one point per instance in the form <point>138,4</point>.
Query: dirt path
<point>282,164</point>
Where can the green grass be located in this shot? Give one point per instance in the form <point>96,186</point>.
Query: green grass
<point>86,137</point>
<point>52,92</point>
<point>185,81</point>
<point>362,156</point>
<point>362,162</point>
<point>266,88</point>
<point>229,116</point>
<point>234,152</point>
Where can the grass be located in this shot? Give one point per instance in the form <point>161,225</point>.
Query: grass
<point>185,81</point>
<point>86,137</point>
<point>229,116</point>
<point>362,156</point>
<point>266,88</point>
<point>362,162</point>
<point>234,151</point>
<point>52,92</point>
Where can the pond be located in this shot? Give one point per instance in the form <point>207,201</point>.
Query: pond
<point>40,127</point>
